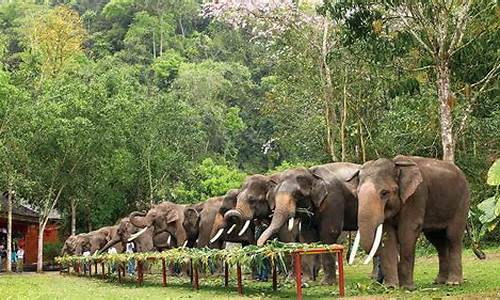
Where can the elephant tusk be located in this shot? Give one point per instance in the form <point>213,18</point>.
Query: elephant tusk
<point>197,241</point>
<point>169,239</point>
<point>185,244</point>
<point>136,235</point>
<point>217,235</point>
<point>245,227</point>
<point>355,247</point>
<point>231,229</point>
<point>376,243</point>
<point>290,224</point>
<point>300,226</point>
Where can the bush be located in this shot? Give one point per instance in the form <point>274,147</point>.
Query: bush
<point>51,251</point>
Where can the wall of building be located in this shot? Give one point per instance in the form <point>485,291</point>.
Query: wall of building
<point>31,241</point>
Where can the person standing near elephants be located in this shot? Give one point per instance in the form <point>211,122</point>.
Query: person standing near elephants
<point>3,254</point>
<point>13,255</point>
<point>20,260</point>
<point>112,265</point>
<point>131,262</point>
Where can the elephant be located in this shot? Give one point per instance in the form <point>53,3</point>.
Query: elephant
<point>199,220</point>
<point>164,217</point>
<point>223,230</point>
<point>401,197</point>
<point>256,201</point>
<point>143,242</point>
<point>69,246</point>
<point>91,241</point>
<point>322,192</point>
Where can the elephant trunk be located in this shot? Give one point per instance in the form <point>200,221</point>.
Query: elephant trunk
<point>137,218</point>
<point>233,216</point>
<point>285,209</point>
<point>370,219</point>
<point>111,243</point>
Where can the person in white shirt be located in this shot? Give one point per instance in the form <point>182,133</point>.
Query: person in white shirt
<point>20,260</point>
<point>112,266</point>
<point>86,266</point>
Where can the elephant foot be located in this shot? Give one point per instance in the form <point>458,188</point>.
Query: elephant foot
<point>329,281</point>
<point>440,280</point>
<point>391,284</point>
<point>454,280</point>
<point>408,287</point>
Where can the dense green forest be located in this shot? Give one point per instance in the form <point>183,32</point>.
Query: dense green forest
<point>108,106</point>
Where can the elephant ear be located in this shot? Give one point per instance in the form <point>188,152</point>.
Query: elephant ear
<point>191,215</point>
<point>271,190</point>
<point>172,215</point>
<point>319,191</point>
<point>410,177</point>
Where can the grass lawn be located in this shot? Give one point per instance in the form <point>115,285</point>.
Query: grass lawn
<point>482,280</point>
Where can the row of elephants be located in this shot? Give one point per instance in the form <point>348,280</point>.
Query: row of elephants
<point>388,201</point>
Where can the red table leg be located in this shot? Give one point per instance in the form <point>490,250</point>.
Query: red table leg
<point>275,277</point>
<point>120,274</point>
<point>238,277</point>
<point>340,258</point>
<point>196,278</point>
<point>298,274</point>
<point>139,273</point>
<point>163,272</point>
<point>103,271</point>
<point>191,270</point>
<point>95,269</point>
<point>226,274</point>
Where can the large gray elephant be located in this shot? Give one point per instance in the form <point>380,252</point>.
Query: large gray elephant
<point>143,241</point>
<point>163,217</point>
<point>322,195</point>
<point>256,200</point>
<point>402,197</point>
<point>70,244</point>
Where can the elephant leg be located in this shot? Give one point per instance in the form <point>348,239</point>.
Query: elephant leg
<point>329,235</point>
<point>389,258</point>
<point>408,238</point>
<point>455,234</point>
<point>308,267</point>
<point>439,240</point>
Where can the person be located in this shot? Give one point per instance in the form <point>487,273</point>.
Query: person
<point>20,260</point>
<point>3,254</point>
<point>13,256</point>
<point>86,265</point>
<point>112,265</point>
<point>131,262</point>
<point>263,269</point>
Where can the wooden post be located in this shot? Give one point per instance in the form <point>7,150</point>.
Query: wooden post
<point>89,265</point>
<point>298,274</point>
<point>120,274</point>
<point>275,277</point>
<point>226,274</point>
<point>238,277</point>
<point>77,269</point>
<point>163,272</point>
<point>340,258</point>
<point>139,273</point>
<point>196,279</point>
<point>191,270</point>
<point>103,271</point>
<point>95,269</point>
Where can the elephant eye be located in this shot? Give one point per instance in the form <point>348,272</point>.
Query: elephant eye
<point>384,193</point>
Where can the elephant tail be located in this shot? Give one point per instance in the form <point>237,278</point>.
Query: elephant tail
<point>475,245</point>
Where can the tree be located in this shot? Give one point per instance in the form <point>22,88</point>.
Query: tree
<point>440,31</point>
<point>55,37</point>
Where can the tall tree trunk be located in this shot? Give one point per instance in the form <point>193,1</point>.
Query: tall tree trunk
<point>344,120</point>
<point>361,141</point>
<point>330,113</point>
<point>73,216</point>
<point>9,229</point>
<point>446,101</point>
<point>39,259</point>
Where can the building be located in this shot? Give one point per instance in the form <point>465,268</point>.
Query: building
<point>25,229</point>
